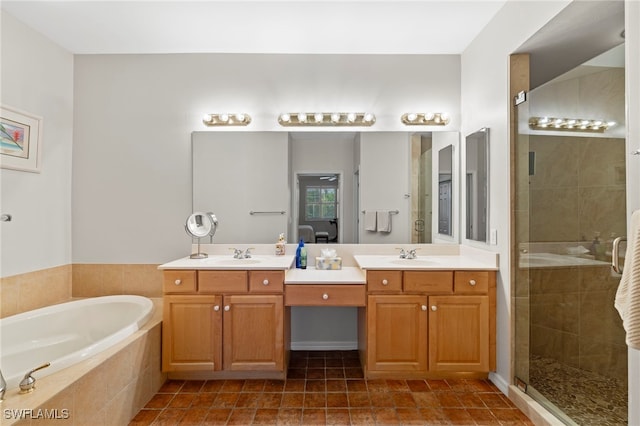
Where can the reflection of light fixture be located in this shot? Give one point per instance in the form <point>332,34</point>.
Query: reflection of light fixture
<point>425,119</point>
<point>226,119</point>
<point>326,119</point>
<point>569,124</point>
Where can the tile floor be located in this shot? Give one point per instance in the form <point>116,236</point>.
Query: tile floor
<point>327,388</point>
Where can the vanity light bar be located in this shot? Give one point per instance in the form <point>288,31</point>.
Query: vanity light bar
<point>569,124</point>
<point>326,119</point>
<point>227,119</point>
<point>425,119</point>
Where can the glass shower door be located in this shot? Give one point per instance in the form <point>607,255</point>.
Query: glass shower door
<point>570,353</point>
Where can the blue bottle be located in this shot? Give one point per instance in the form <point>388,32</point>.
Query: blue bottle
<point>299,253</point>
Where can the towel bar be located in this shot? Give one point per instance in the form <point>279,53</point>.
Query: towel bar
<point>390,211</point>
<point>268,212</point>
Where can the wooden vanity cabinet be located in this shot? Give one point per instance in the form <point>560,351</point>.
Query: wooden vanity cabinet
<point>430,323</point>
<point>231,321</point>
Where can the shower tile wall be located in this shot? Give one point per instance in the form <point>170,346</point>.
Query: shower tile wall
<point>577,191</point>
<point>574,322</point>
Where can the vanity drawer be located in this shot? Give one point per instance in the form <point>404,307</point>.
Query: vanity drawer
<point>384,281</point>
<point>266,281</point>
<point>471,282</point>
<point>179,281</point>
<point>428,282</point>
<point>324,295</point>
<point>222,281</point>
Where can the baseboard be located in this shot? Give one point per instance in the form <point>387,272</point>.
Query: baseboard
<point>323,346</point>
<point>500,382</point>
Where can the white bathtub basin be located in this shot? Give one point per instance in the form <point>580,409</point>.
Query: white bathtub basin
<point>552,260</point>
<point>67,333</point>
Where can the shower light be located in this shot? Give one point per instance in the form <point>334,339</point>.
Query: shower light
<point>570,124</point>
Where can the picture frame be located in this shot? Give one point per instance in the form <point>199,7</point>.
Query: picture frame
<point>20,140</point>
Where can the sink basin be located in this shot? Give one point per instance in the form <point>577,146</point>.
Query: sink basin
<point>414,262</point>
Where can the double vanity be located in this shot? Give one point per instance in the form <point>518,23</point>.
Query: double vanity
<point>428,317</point>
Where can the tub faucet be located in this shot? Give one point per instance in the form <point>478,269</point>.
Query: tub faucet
<point>3,386</point>
<point>28,383</point>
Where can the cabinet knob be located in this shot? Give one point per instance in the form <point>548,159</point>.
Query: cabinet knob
<point>178,282</point>
<point>434,308</point>
<point>216,308</point>
<point>325,296</point>
<point>226,308</point>
<point>385,282</point>
<point>424,307</point>
<point>265,282</point>
<point>472,282</point>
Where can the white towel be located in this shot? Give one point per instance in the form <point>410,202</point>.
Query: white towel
<point>370,223</point>
<point>628,295</point>
<point>384,220</point>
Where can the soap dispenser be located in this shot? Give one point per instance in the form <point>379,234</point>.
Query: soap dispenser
<point>280,246</point>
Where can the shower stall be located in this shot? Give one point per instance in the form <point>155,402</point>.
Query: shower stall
<point>570,351</point>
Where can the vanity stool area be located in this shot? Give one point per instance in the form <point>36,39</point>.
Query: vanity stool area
<point>429,317</point>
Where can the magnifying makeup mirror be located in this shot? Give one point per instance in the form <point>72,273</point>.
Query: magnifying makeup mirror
<point>200,225</point>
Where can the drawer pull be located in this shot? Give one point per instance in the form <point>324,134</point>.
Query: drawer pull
<point>424,307</point>
<point>265,282</point>
<point>325,296</point>
<point>178,282</point>
<point>434,308</point>
<point>385,282</point>
<point>216,308</point>
<point>227,308</point>
<point>472,282</point>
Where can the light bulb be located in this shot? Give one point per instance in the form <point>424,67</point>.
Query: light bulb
<point>412,116</point>
<point>428,116</point>
<point>351,117</point>
<point>224,117</point>
<point>206,118</point>
<point>302,117</point>
<point>611,123</point>
<point>319,117</point>
<point>445,117</point>
<point>240,117</point>
<point>285,117</point>
<point>368,117</point>
<point>335,117</point>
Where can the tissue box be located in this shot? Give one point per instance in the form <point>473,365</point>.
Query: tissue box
<point>328,263</point>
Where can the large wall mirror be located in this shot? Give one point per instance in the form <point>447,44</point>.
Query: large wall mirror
<point>318,185</point>
<point>477,185</point>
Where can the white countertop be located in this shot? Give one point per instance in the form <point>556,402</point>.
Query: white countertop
<point>256,262</point>
<point>346,275</point>
<point>431,262</point>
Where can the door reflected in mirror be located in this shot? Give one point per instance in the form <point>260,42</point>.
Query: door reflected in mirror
<point>445,190</point>
<point>477,185</point>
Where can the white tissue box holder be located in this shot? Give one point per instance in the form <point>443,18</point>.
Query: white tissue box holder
<point>328,263</point>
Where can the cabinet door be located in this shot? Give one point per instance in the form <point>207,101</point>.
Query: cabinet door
<point>397,333</point>
<point>459,333</point>
<point>192,333</point>
<point>253,332</point>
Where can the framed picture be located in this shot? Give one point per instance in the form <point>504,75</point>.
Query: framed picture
<point>20,140</point>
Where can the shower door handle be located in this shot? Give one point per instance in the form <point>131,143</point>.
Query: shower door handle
<point>615,255</point>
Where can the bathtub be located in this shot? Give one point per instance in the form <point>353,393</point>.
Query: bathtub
<point>67,333</point>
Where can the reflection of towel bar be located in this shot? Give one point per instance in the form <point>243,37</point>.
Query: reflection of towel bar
<point>269,212</point>
<point>390,211</point>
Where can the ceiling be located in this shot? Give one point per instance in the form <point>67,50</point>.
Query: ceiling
<point>259,26</point>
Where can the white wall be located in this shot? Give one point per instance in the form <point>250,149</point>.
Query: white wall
<point>134,115</point>
<point>632,81</point>
<point>37,77</point>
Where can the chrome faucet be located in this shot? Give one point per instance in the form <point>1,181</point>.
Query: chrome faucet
<point>28,383</point>
<point>237,253</point>
<point>3,386</point>
<point>247,253</point>
<point>411,254</point>
<point>403,254</point>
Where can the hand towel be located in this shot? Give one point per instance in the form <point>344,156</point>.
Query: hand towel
<point>370,223</point>
<point>384,220</point>
<point>628,295</point>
